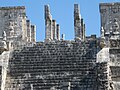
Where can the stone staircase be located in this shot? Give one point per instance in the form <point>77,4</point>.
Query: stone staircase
<point>63,65</point>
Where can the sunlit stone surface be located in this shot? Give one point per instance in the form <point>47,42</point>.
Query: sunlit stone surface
<point>85,63</point>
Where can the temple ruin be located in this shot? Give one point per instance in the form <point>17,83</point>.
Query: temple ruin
<point>85,63</point>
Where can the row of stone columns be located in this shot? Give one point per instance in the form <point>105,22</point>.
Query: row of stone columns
<point>51,27</point>
<point>55,30</point>
<point>31,32</point>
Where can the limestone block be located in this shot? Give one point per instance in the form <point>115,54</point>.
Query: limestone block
<point>103,55</point>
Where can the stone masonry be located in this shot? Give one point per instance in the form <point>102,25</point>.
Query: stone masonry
<point>51,28</point>
<point>85,63</point>
<point>15,26</point>
<point>79,26</point>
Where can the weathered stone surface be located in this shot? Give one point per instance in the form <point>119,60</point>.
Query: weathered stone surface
<point>4,60</point>
<point>54,30</point>
<point>79,26</point>
<point>53,64</point>
<point>51,29</point>
<point>48,24</point>
<point>14,26</point>
<point>86,63</point>
<point>15,20</point>
<point>103,55</point>
<point>110,19</point>
<point>29,31</point>
<point>33,33</point>
<point>58,31</point>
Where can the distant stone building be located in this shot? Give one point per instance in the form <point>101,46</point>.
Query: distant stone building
<point>85,63</point>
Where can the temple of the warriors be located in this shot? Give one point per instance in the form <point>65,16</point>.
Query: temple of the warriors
<point>85,63</point>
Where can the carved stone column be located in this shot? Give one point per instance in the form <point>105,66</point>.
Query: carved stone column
<point>58,32</point>
<point>48,24</point>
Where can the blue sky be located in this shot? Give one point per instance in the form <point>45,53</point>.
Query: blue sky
<point>62,12</point>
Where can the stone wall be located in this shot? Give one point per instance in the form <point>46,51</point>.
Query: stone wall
<point>115,67</point>
<point>15,20</point>
<point>110,19</point>
<point>109,12</point>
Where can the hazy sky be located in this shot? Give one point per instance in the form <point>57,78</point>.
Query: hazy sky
<point>62,12</point>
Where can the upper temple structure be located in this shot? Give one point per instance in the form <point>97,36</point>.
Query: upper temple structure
<point>52,30</point>
<point>15,28</point>
<point>85,63</point>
